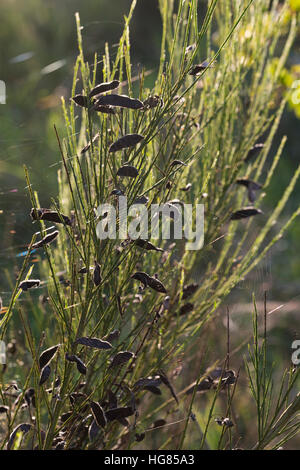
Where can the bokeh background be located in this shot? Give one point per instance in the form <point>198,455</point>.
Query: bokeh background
<point>37,53</point>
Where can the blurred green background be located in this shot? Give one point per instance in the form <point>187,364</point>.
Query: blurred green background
<point>37,53</point>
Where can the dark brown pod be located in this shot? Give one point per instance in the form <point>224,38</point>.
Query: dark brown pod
<point>45,374</point>
<point>121,358</point>
<point>93,430</point>
<point>46,240</point>
<point>139,437</point>
<point>24,428</point>
<point>119,413</point>
<point>159,422</point>
<point>245,213</point>
<point>186,308</point>
<point>251,186</point>
<point>189,290</point>
<point>152,389</point>
<point>142,277</point>
<point>98,413</point>
<point>147,382</point>
<point>29,283</point>
<point>168,384</point>
<point>80,365</point>
<point>97,278</point>
<point>121,101</point>
<point>51,216</point>
<point>99,108</point>
<point>47,356</point>
<point>146,245</point>
<point>94,343</point>
<point>129,140</point>
<point>103,87</point>
<point>141,200</point>
<point>196,69</point>
<point>153,101</point>
<point>81,100</point>
<point>128,170</point>
<point>4,409</point>
<point>156,285</point>
<point>177,162</point>
<point>254,151</point>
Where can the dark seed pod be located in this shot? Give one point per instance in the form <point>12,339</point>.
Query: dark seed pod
<point>47,356</point>
<point>51,216</point>
<point>99,108</point>
<point>187,187</point>
<point>118,413</point>
<point>244,213</point>
<point>114,335</point>
<point>146,245</point>
<point>112,400</point>
<point>177,162</point>
<point>196,69</point>
<point>60,445</point>
<point>147,382</point>
<point>121,101</point>
<point>98,414</point>
<point>103,87</point>
<point>94,343</point>
<point>128,170</point>
<point>189,290</point>
<point>128,140</point>
<point>142,277</point>
<point>117,192</point>
<point>152,389</point>
<point>141,200</point>
<point>224,422</point>
<point>159,422</point>
<point>186,308</point>
<point>254,151</point>
<point>121,358</point>
<point>81,100</point>
<point>156,285</point>
<point>24,428</point>
<point>97,274</point>
<point>139,437</point>
<point>153,101</point>
<point>4,409</point>
<point>29,395</point>
<point>45,374</point>
<point>167,383</point>
<point>83,270</point>
<point>46,240</point>
<point>93,431</point>
<point>65,416</point>
<point>251,186</point>
<point>80,365</point>
<point>29,283</point>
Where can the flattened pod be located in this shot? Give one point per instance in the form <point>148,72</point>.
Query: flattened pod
<point>81,100</point>
<point>45,374</point>
<point>147,245</point>
<point>200,68</point>
<point>80,365</point>
<point>24,428</point>
<point>122,101</point>
<point>156,285</point>
<point>254,151</point>
<point>47,356</point>
<point>118,413</point>
<point>97,274</point>
<point>153,389</point>
<point>99,108</point>
<point>94,343</point>
<point>128,170</point>
<point>29,283</point>
<point>121,358</point>
<point>48,214</point>
<point>47,239</point>
<point>103,87</point>
<point>98,414</point>
<point>129,140</point>
<point>142,277</point>
<point>244,213</point>
<point>251,186</point>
